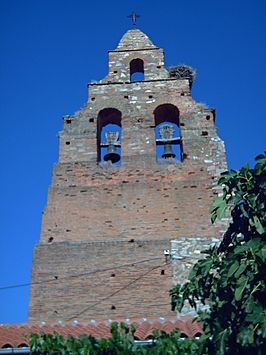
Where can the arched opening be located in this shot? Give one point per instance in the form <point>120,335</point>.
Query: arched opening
<point>7,346</point>
<point>167,133</point>
<point>109,136</point>
<point>23,345</point>
<point>136,69</point>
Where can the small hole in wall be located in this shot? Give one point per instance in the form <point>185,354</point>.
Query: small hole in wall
<point>125,96</point>
<point>150,96</point>
<point>208,117</point>
<point>131,240</point>
<point>182,94</point>
<point>93,98</point>
<point>50,240</point>
<point>68,121</point>
<point>56,277</point>
<point>162,272</point>
<point>182,124</point>
<point>204,133</point>
<point>159,66</point>
<point>112,275</point>
<point>115,71</point>
<point>91,120</point>
<point>113,307</point>
<point>67,143</point>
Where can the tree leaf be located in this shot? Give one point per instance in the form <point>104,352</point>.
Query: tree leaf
<point>263,328</point>
<point>258,225</point>
<point>233,268</point>
<point>239,290</point>
<point>240,270</point>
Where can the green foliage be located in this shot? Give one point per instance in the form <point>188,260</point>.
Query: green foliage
<point>121,342</point>
<point>231,279</point>
<point>172,344</point>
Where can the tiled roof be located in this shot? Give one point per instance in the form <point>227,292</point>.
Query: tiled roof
<point>15,335</point>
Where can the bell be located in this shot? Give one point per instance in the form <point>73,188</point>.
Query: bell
<point>111,140</point>
<point>111,154</point>
<point>168,152</point>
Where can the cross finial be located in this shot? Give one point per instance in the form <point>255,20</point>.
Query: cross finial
<point>134,17</point>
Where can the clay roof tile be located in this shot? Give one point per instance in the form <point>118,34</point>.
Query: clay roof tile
<point>17,334</point>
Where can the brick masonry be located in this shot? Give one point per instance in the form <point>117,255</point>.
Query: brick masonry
<point>99,216</point>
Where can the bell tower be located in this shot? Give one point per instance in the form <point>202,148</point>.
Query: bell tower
<point>137,168</point>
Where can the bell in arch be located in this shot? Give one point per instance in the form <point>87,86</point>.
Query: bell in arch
<point>112,142</point>
<point>167,135</point>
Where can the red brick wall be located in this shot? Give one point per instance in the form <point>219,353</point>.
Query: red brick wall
<point>75,291</point>
<point>126,203</point>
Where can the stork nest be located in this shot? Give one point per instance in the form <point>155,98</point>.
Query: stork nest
<point>182,71</point>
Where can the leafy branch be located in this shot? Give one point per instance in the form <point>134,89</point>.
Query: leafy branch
<point>231,277</point>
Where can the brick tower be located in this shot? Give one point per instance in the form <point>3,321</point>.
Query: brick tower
<point>137,169</point>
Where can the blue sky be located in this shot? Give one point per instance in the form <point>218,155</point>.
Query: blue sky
<point>50,49</point>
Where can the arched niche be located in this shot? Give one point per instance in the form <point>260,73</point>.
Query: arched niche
<point>167,133</point>
<point>136,69</point>
<point>109,120</point>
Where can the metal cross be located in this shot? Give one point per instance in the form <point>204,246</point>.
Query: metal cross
<point>134,17</point>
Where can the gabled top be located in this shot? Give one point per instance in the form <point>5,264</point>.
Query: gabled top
<point>135,39</point>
